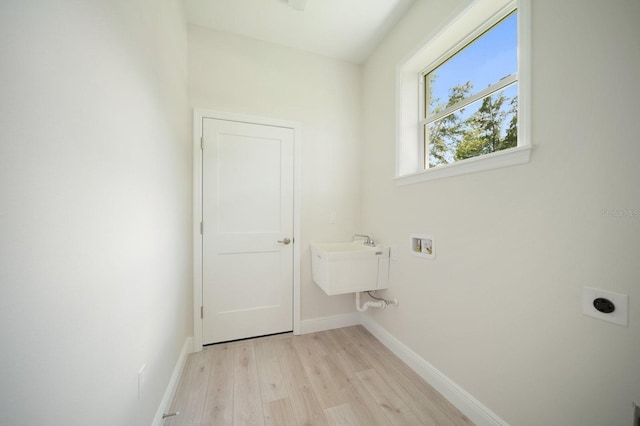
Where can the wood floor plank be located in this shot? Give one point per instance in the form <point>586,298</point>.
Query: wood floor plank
<point>338,337</point>
<point>354,358</point>
<point>190,398</point>
<point>343,374</point>
<point>282,413</point>
<point>341,415</point>
<point>389,368</point>
<point>321,378</point>
<point>428,404</point>
<point>247,400</point>
<point>337,377</point>
<point>365,409</point>
<point>218,406</point>
<point>313,342</point>
<point>429,397</point>
<point>304,401</point>
<point>271,379</point>
<point>392,405</point>
<point>358,334</point>
<point>328,341</point>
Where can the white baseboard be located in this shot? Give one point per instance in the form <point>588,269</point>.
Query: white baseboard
<point>461,399</point>
<point>165,404</point>
<point>314,325</point>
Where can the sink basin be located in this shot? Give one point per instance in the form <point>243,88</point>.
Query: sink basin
<point>349,267</point>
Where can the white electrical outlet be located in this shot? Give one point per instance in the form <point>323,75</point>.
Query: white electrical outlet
<point>142,379</point>
<point>393,252</point>
<point>620,304</point>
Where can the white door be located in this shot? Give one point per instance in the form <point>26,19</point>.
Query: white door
<point>247,244</point>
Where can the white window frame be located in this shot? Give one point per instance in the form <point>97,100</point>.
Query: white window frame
<point>480,15</point>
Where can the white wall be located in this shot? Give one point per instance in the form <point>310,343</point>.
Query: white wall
<point>499,309</point>
<point>95,246</point>
<point>242,75</point>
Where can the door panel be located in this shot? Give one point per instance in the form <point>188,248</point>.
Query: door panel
<point>247,208</point>
<point>248,183</point>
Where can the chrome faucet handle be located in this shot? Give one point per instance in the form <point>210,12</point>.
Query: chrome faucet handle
<point>368,241</point>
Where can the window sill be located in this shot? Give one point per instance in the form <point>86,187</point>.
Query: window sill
<point>496,160</point>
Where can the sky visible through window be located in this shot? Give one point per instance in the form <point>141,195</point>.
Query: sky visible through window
<point>485,61</point>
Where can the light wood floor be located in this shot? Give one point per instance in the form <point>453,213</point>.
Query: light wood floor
<point>336,377</point>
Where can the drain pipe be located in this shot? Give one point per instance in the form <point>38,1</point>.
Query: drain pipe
<point>378,303</point>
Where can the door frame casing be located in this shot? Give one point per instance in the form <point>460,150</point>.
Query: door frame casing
<point>199,115</point>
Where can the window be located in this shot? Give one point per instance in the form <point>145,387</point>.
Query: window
<point>468,88</point>
<point>461,119</point>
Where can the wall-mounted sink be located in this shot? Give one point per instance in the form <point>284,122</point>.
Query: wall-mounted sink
<point>349,267</point>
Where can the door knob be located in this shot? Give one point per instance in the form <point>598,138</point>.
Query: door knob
<point>285,241</point>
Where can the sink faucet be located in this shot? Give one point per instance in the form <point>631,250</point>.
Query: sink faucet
<point>367,240</point>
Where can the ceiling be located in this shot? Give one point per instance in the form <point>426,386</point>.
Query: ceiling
<point>348,30</point>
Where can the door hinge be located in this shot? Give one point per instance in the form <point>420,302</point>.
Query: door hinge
<point>201,312</point>
<point>202,143</point>
<point>201,228</point>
